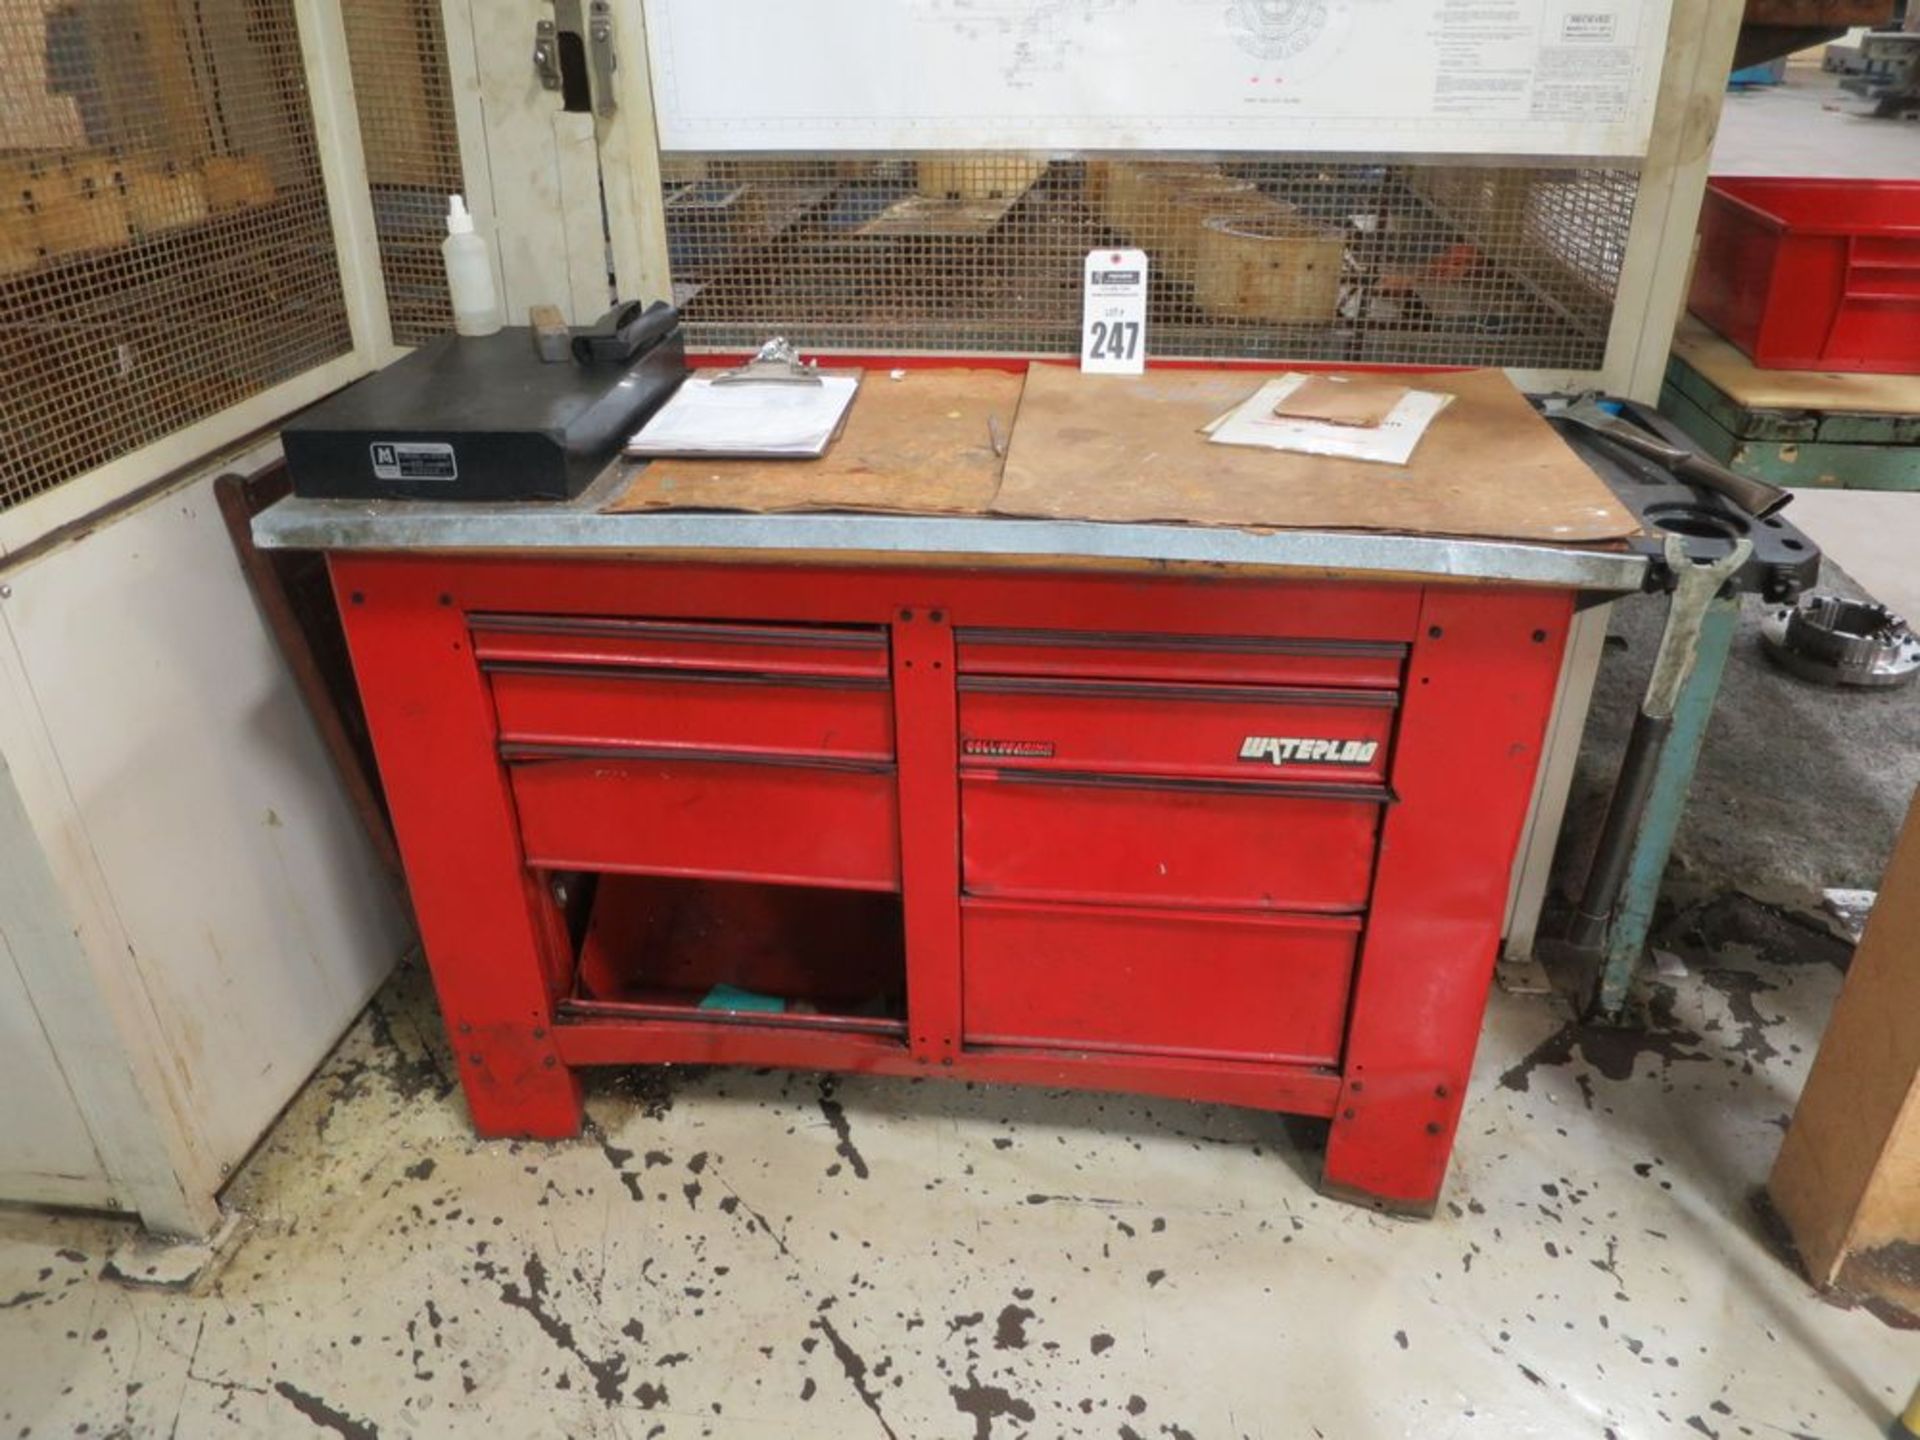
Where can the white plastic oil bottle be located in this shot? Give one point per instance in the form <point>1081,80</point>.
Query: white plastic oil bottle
<point>476,304</point>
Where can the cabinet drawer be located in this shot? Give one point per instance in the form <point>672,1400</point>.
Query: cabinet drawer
<point>849,650</point>
<point>1365,664</point>
<point>712,710</point>
<point>1228,732</point>
<point>802,824</point>
<point>1247,987</point>
<point>1209,844</point>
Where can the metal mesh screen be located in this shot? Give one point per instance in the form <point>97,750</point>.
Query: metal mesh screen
<point>397,51</point>
<point>1255,256</point>
<point>164,244</point>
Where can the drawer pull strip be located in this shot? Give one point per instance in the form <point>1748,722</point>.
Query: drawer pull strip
<point>1295,789</point>
<point>525,753</point>
<point>595,670</point>
<point>1177,690</point>
<point>1230,644</point>
<point>719,633</point>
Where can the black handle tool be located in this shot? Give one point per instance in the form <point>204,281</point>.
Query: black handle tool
<point>624,331</point>
<point>1756,497</point>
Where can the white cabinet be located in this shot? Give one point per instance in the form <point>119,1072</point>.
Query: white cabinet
<point>189,913</point>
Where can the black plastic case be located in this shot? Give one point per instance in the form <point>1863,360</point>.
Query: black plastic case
<point>477,418</point>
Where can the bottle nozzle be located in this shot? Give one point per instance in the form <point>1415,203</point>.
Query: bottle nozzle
<point>459,222</point>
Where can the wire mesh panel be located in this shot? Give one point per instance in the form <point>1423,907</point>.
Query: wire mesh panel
<point>164,242</point>
<point>1253,256</point>
<point>397,50</point>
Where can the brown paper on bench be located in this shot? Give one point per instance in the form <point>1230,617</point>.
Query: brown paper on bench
<point>924,444</point>
<point>1111,447</point>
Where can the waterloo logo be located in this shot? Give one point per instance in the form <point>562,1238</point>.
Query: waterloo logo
<point>1293,750</point>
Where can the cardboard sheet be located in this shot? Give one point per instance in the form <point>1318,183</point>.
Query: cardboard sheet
<point>919,445</point>
<point>1096,447</point>
<point>1341,401</point>
<point>1259,423</point>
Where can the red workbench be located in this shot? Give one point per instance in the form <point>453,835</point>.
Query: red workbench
<point>1235,828</point>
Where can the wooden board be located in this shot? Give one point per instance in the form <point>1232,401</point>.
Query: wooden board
<point>1129,448</point>
<point>1734,374</point>
<point>1847,1181</point>
<point>919,445</point>
<point>932,217</point>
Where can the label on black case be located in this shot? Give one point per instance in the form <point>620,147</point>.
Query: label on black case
<point>413,460</point>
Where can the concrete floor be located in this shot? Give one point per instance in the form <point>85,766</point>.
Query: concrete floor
<point>764,1254</point>
<point>1810,126</point>
<point>1873,534</point>
<point>1799,787</point>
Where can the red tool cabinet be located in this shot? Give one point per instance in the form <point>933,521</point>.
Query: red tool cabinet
<point>1235,839</point>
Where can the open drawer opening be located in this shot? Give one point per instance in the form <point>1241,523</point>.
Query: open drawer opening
<point>658,947</point>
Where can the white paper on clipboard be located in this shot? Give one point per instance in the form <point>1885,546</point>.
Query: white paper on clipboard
<point>748,421</point>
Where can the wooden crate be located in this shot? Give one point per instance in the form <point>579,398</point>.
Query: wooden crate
<point>79,205</point>
<point>1193,208</point>
<point>163,196</point>
<point>1281,270</point>
<point>976,177</point>
<point>237,182</point>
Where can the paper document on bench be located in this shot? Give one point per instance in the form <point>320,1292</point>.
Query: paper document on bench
<point>754,420</point>
<point>1391,442</point>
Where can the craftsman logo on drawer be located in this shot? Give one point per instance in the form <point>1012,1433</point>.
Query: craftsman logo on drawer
<point>1287,749</point>
<point>1009,749</point>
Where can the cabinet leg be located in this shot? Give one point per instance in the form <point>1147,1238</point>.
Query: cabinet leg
<point>493,934</point>
<point>1390,1142</point>
<point>1479,690</point>
<point>517,1088</point>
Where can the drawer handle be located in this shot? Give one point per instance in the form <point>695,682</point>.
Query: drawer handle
<point>1177,690</point>
<point>523,753</point>
<point>1299,789</point>
<point>800,636</point>
<point>1224,644</point>
<point>592,670</point>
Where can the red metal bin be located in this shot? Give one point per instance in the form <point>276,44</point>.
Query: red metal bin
<point>1813,274</point>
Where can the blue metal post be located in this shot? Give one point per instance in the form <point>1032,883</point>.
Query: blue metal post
<point>1673,777</point>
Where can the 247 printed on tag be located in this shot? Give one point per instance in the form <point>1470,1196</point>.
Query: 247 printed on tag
<point>1113,335</point>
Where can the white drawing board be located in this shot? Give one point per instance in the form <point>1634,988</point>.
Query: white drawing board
<point>1510,77</point>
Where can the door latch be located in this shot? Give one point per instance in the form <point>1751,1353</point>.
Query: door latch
<point>574,54</point>
<point>546,55</point>
<point>600,55</point>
